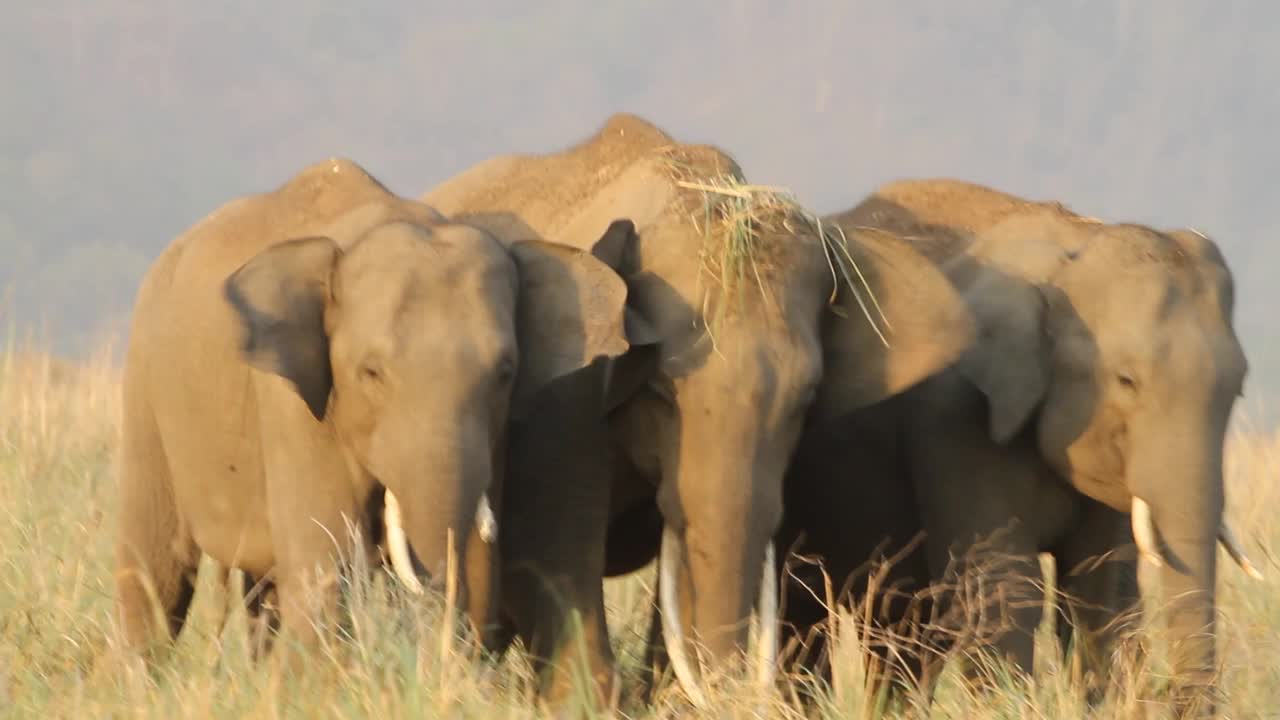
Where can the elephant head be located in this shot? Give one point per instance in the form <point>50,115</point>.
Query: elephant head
<point>414,342</point>
<point>834,320</point>
<point>1113,346</point>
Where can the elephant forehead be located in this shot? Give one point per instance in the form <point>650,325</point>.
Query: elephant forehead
<point>1139,249</point>
<point>741,356</point>
<point>409,316</point>
<point>409,276</point>
<point>361,219</point>
<point>1147,317</point>
<point>445,257</point>
<point>1146,295</point>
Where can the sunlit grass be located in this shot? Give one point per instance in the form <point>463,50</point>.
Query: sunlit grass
<point>59,653</point>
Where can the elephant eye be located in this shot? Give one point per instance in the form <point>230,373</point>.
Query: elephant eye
<point>506,370</point>
<point>370,372</point>
<point>1126,381</point>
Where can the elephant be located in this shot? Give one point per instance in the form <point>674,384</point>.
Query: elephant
<point>752,309</point>
<point>1087,420</point>
<point>301,349</point>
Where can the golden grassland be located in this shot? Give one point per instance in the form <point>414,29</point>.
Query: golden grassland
<point>59,654</point>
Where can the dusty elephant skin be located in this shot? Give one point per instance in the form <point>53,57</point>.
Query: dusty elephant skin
<point>1104,372</point>
<point>737,289</point>
<point>299,350</point>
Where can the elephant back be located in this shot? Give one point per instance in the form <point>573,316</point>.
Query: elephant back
<point>941,217</point>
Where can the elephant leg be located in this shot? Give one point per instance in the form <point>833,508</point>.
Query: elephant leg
<point>553,592</point>
<point>994,601</point>
<point>156,558</point>
<point>1098,587</point>
<point>262,609</point>
<point>987,511</point>
<point>258,602</point>
<point>311,541</point>
<point>906,653</point>
<point>1019,603</point>
<point>553,536</point>
<point>655,651</point>
<point>483,594</point>
<point>882,596</point>
<point>848,504</point>
<point>803,640</point>
<point>562,622</point>
<point>887,623</point>
<point>308,607</point>
<point>804,632</point>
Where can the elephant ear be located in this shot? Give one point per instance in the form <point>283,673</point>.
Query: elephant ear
<point>1004,277</point>
<point>918,324</point>
<point>572,310</point>
<point>1009,362</point>
<point>279,298</point>
<point>1203,248</point>
<point>618,248</point>
<point>626,374</point>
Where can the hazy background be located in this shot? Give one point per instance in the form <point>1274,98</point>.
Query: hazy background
<point>123,122</point>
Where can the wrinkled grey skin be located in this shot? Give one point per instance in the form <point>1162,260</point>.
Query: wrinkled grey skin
<point>301,349</point>
<point>691,453</point>
<point>1105,371</point>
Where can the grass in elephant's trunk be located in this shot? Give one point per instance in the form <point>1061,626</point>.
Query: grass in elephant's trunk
<point>58,439</point>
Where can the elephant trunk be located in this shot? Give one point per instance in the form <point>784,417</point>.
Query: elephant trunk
<point>398,545</point>
<point>707,594</point>
<point>1177,517</point>
<point>435,514</point>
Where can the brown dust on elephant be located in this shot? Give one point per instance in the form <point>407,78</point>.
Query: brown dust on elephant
<point>301,349</point>
<point>750,310</point>
<point>1089,415</point>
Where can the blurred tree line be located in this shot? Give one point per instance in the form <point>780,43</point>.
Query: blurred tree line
<point>124,122</point>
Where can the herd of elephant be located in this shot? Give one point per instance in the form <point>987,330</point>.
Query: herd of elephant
<point>553,369</point>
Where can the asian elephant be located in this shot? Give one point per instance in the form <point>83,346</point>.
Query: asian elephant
<point>1094,399</point>
<point>752,310</point>
<point>301,349</point>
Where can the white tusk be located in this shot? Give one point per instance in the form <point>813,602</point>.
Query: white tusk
<point>1144,533</point>
<point>486,523</point>
<point>767,610</point>
<point>669,609</point>
<point>1232,546</point>
<point>398,546</point>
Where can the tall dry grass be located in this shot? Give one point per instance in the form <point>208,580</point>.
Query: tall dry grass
<point>59,655</point>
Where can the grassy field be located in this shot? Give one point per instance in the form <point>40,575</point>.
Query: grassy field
<point>58,658</point>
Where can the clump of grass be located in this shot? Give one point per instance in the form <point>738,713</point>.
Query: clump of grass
<point>742,225</point>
